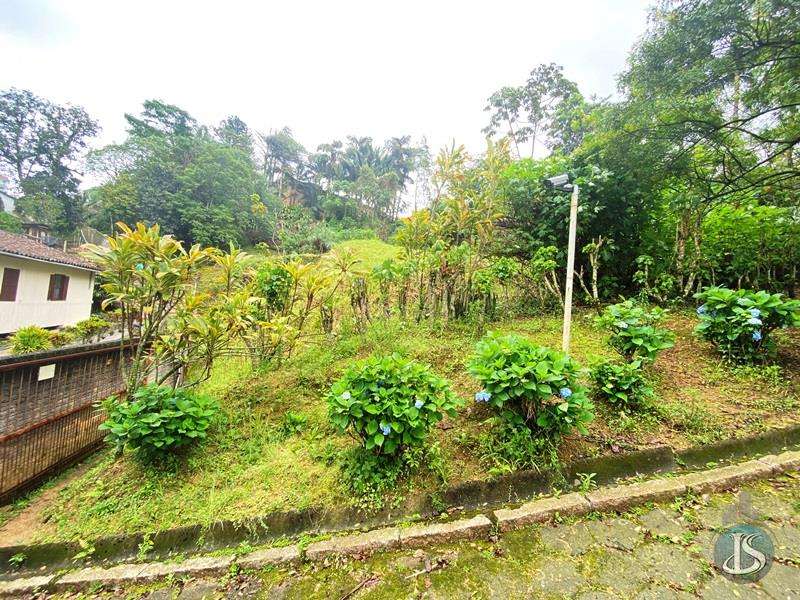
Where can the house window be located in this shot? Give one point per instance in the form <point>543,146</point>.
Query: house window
<point>58,287</point>
<point>8,289</point>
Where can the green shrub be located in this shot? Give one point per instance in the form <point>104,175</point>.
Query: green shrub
<point>621,384</point>
<point>374,478</point>
<point>739,322</point>
<point>505,269</point>
<point>89,328</point>
<point>158,419</point>
<point>389,402</point>
<point>10,222</point>
<point>505,447</point>
<point>61,338</point>
<point>292,424</point>
<point>274,283</point>
<point>30,339</point>
<point>633,330</point>
<point>531,385</point>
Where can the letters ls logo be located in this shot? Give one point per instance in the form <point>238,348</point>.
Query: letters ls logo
<point>736,563</point>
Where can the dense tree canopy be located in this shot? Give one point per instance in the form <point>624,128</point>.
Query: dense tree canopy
<point>40,143</point>
<point>699,150</point>
<point>717,81</point>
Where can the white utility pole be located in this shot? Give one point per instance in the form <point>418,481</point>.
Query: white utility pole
<point>573,225</point>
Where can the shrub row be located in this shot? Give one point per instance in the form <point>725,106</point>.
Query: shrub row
<point>36,339</point>
<point>390,403</point>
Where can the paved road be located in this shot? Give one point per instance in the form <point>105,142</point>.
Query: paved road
<point>655,552</point>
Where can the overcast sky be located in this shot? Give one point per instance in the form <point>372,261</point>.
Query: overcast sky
<point>326,69</point>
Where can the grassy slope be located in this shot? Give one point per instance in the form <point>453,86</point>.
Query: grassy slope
<point>249,466</point>
<point>371,252</point>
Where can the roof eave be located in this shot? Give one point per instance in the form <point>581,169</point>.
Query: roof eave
<point>49,262</point>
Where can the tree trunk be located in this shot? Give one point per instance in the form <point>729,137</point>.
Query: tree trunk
<point>681,235</point>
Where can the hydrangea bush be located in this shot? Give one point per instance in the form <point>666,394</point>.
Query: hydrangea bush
<point>158,419</point>
<point>739,322</point>
<point>390,402</point>
<point>634,331</point>
<point>529,384</point>
<point>621,384</point>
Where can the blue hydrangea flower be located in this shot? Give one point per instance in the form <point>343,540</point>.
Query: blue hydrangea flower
<point>701,310</point>
<point>418,404</point>
<point>139,266</point>
<point>754,321</point>
<point>482,396</point>
<point>386,430</point>
<point>756,336</point>
<point>565,392</point>
<point>346,396</point>
<point>754,312</point>
<point>622,325</point>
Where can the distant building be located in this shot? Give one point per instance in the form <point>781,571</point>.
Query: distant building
<point>40,285</point>
<point>39,232</point>
<point>8,202</point>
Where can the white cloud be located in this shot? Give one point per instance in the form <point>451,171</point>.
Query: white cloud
<point>325,69</point>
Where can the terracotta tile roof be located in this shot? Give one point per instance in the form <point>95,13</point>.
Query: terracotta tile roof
<point>20,245</point>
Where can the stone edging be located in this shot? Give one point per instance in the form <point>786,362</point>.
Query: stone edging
<point>617,498</point>
<point>468,497</point>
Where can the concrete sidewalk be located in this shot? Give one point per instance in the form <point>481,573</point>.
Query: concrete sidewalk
<point>653,539</point>
<point>652,552</point>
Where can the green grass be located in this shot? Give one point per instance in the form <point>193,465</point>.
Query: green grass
<point>371,252</point>
<point>250,465</point>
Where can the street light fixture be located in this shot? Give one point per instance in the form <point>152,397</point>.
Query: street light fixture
<point>562,183</point>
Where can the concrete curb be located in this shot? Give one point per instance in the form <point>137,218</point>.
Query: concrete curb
<point>623,497</point>
<point>617,498</point>
<point>469,497</point>
<point>438,533</point>
<point>540,511</point>
<point>358,544</point>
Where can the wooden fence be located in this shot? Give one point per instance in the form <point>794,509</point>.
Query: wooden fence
<point>48,418</point>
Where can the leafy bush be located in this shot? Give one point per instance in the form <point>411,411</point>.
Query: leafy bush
<point>372,478</point>
<point>739,322</point>
<point>274,283</point>
<point>300,232</point>
<point>10,222</point>
<point>30,339</point>
<point>390,402</point>
<point>292,423</point>
<point>89,328</point>
<point>505,269</point>
<point>633,330</point>
<point>61,338</point>
<point>622,384</point>
<point>531,385</point>
<point>506,447</point>
<point>158,419</point>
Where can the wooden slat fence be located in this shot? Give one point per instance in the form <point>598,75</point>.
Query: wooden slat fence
<point>47,415</point>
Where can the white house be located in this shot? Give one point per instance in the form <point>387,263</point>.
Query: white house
<point>42,286</point>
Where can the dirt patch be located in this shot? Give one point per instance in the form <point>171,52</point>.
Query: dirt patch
<point>32,520</point>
